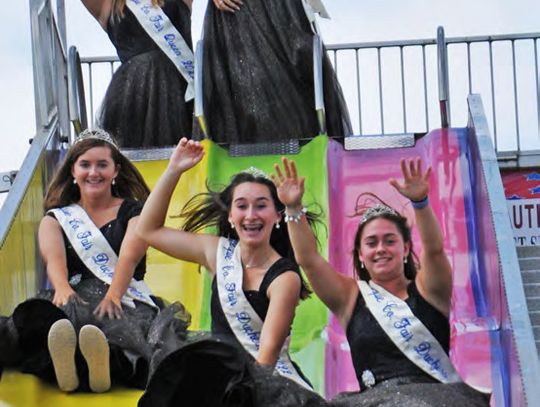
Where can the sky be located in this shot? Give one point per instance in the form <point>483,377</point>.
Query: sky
<point>352,21</point>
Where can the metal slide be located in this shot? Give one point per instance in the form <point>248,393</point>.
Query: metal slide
<point>492,344</point>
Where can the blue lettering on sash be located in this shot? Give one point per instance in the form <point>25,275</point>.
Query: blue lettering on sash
<point>376,295</point>
<point>75,223</point>
<point>83,239</point>
<point>388,309</point>
<point>100,259</point>
<point>403,331</point>
<point>230,250</point>
<point>169,38</point>
<point>423,349</point>
<point>282,367</point>
<point>225,271</point>
<point>252,334</point>
<point>146,9</point>
<point>231,294</point>
<point>65,211</point>
<point>158,22</point>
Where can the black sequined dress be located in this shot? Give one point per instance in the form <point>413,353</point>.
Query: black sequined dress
<point>144,105</point>
<point>214,370</point>
<point>398,381</point>
<point>258,81</point>
<point>137,341</point>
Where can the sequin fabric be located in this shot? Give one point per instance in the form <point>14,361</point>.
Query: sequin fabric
<point>144,104</point>
<point>258,75</point>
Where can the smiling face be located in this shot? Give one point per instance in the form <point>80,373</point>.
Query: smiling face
<point>94,171</point>
<point>253,213</point>
<point>382,249</point>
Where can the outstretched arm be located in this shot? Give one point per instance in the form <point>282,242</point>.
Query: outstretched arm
<point>193,247</point>
<point>132,251</point>
<point>337,291</point>
<point>100,9</point>
<point>434,279</point>
<point>51,245</point>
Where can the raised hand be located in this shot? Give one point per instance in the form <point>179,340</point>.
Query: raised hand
<point>187,154</point>
<point>415,184</point>
<point>290,187</point>
<point>228,5</point>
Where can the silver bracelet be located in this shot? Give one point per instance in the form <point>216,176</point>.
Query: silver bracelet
<point>296,216</point>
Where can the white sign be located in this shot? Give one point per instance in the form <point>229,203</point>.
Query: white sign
<point>525,218</point>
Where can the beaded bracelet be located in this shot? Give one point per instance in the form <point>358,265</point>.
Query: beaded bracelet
<point>296,216</point>
<point>420,204</point>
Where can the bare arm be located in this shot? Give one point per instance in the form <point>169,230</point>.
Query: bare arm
<point>193,247</point>
<point>337,291</point>
<point>283,293</point>
<point>51,245</point>
<point>132,251</point>
<point>434,279</point>
<point>100,9</point>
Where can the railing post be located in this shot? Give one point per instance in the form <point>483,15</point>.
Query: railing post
<point>77,101</point>
<point>318,82</point>
<point>199,105</point>
<point>442,65</point>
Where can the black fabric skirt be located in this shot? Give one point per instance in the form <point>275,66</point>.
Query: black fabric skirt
<point>258,75</point>
<point>138,341</point>
<point>413,392</point>
<point>144,105</point>
<point>212,371</point>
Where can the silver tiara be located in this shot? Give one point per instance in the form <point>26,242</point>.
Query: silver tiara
<point>377,210</point>
<point>97,134</point>
<point>256,172</point>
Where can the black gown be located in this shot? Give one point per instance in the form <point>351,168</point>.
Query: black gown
<point>137,341</point>
<point>144,105</point>
<point>214,370</point>
<point>398,381</point>
<point>258,75</point>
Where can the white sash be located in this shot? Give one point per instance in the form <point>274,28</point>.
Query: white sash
<point>158,26</point>
<point>95,252</point>
<point>242,318</point>
<point>408,333</point>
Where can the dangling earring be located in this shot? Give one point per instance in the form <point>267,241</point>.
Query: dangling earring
<point>113,181</point>
<point>278,225</point>
<point>362,264</point>
<point>404,260</point>
<point>74,181</point>
<point>232,225</point>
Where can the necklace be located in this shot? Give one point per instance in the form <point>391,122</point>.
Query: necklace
<point>259,265</point>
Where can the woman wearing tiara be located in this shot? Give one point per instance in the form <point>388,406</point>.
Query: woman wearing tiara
<point>99,323</point>
<point>255,289</point>
<point>394,312</point>
<point>258,73</point>
<point>147,103</point>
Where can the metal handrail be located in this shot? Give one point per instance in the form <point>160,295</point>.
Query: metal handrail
<point>77,101</point>
<point>318,82</point>
<point>442,69</point>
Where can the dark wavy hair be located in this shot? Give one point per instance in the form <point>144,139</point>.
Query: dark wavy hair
<point>62,191</point>
<point>364,202</point>
<point>211,209</point>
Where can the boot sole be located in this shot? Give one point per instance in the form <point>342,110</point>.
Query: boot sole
<point>95,349</point>
<point>62,342</point>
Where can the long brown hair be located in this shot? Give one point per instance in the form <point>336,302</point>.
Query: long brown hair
<point>62,191</point>
<point>211,209</point>
<point>117,9</point>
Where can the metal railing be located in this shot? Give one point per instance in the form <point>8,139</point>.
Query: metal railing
<point>503,68</point>
<point>393,86</point>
